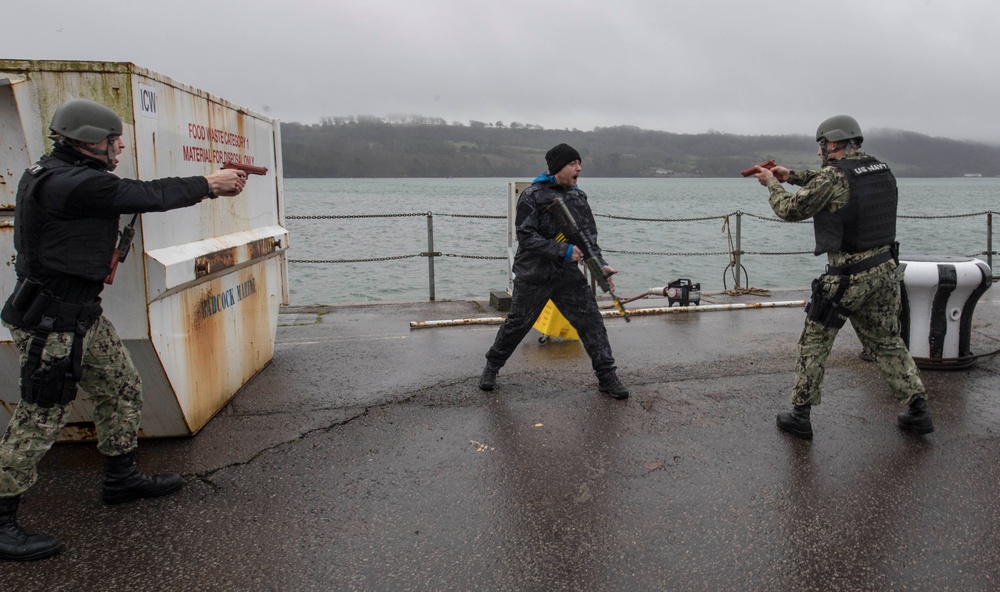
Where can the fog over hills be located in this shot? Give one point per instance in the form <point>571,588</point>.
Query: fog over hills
<point>423,147</point>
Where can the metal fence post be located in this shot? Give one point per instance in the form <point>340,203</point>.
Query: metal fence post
<point>989,241</point>
<point>739,249</point>
<point>430,253</point>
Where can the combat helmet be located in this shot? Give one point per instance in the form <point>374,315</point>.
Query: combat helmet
<point>85,121</point>
<point>839,127</point>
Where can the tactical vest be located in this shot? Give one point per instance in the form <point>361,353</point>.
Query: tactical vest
<point>869,218</point>
<point>48,242</point>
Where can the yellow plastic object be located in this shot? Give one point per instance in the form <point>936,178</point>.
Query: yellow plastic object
<point>552,324</point>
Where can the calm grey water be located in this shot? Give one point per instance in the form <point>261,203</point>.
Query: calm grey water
<point>646,253</point>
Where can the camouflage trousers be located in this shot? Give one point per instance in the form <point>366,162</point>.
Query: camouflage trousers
<point>575,301</point>
<point>873,296</point>
<point>115,390</point>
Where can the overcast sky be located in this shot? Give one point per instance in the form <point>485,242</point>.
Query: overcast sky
<point>744,67</point>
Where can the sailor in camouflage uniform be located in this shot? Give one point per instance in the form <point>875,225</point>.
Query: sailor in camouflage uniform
<point>65,231</point>
<point>852,201</point>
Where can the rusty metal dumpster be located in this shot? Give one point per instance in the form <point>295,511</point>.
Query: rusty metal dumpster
<point>197,300</point>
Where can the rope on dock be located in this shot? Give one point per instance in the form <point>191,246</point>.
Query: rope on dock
<point>747,292</point>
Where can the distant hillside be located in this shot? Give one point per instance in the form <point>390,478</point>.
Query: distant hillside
<point>373,148</point>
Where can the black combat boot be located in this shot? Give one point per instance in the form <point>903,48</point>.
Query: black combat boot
<point>796,422</point>
<point>17,544</point>
<point>488,381</point>
<point>917,418</point>
<point>613,387</point>
<point>123,482</point>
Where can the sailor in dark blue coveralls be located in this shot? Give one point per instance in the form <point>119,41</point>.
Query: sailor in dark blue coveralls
<point>547,269</point>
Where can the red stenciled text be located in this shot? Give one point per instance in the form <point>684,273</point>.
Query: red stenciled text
<point>199,154</point>
<point>217,136</point>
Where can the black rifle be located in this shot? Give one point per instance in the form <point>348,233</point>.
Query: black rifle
<point>569,232</point>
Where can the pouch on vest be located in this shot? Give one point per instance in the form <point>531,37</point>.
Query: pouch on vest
<point>33,314</point>
<point>25,292</point>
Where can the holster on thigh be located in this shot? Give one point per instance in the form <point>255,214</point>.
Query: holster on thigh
<point>827,310</point>
<point>54,383</point>
<point>46,386</point>
<point>40,312</point>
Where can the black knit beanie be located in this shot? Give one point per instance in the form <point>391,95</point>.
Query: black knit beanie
<point>560,156</point>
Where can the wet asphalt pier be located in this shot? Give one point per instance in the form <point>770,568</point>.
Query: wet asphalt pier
<point>366,458</point>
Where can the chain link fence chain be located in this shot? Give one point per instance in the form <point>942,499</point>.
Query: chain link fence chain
<point>400,215</point>
<point>724,217</point>
<point>487,257</point>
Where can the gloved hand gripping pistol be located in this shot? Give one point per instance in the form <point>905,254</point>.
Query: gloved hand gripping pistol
<point>570,233</point>
<point>121,251</point>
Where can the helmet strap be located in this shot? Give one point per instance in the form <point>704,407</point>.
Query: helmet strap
<point>83,147</point>
<point>110,163</point>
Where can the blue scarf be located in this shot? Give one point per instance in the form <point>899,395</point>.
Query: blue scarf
<point>545,177</point>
